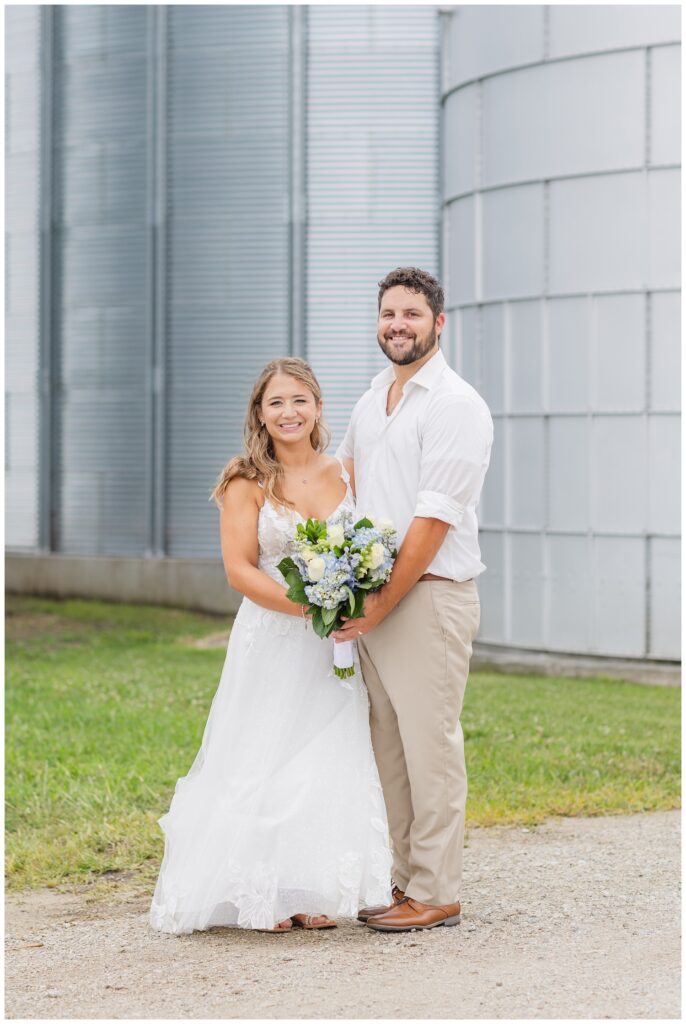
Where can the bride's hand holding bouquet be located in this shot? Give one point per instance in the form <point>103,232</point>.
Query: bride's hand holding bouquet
<point>333,567</point>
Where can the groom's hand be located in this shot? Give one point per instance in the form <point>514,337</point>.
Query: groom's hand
<point>422,541</point>
<point>374,611</point>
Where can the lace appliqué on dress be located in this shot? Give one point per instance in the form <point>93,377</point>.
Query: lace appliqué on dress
<point>254,896</point>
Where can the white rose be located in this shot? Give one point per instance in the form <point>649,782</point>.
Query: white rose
<point>385,524</point>
<point>315,568</point>
<point>378,553</point>
<point>335,535</point>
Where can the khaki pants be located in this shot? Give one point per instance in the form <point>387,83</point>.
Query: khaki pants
<point>415,665</point>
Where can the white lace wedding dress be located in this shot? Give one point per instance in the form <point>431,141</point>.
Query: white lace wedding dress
<point>282,811</point>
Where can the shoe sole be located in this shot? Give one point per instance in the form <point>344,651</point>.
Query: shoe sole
<point>448,923</point>
<point>369,917</point>
<point>313,927</point>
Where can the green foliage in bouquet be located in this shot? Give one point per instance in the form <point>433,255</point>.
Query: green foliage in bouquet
<point>324,620</point>
<point>334,566</point>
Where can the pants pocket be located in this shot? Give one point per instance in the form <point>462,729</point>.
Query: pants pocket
<point>458,615</point>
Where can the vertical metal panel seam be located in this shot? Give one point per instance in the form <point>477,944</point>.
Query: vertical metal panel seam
<point>445,16</point>
<point>647,641</point>
<point>477,234</point>
<point>547,487</point>
<point>648,101</point>
<point>546,237</point>
<point>297,183</point>
<point>546,480</point>
<point>305,147</point>
<point>151,169</point>
<point>645,263</point>
<point>8,401</point>
<point>443,262</point>
<point>156,265</point>
<point>306,72</point>
<point>458,343</point>
<point>47,432</point>
<point>160,379</point>
<point>290,146</point>
<point>592,619</point>
<point>442,17</point>
<point>545,401</point>
<point>506,327</point>
<point>591,404</point>
<point>590,394</point>
<point>478,169</point>
<point>648,540</point>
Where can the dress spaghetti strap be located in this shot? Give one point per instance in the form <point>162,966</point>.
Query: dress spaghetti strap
<point>345,475</point>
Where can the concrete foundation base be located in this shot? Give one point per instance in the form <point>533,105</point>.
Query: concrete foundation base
<point>201,584</point>
<point>179,582</point>
<point>489,657</point>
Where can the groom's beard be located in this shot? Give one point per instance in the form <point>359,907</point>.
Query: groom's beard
<point>418,348</point>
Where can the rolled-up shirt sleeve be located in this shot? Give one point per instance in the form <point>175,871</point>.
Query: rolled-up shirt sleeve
<point>456,448</point>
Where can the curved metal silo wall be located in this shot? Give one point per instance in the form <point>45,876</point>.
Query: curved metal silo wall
<point>228,203</point>
<point>221,185</point>
<point>167,189</point>
<point>561,246</point>
<point>99,277</point>
<point>22,258</point>
<point>372,179</point>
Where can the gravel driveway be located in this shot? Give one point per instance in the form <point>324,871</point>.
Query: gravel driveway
<point>575,918</point>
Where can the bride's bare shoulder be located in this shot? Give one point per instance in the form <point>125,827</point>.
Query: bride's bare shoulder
<point>332,464</point>
<point>242,495</point>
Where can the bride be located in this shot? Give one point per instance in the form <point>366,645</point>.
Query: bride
<point>280,820</point>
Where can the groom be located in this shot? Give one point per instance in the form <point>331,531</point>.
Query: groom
<point>420,439</point>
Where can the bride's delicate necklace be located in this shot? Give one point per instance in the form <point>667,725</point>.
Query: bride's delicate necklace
<point>304,479</point>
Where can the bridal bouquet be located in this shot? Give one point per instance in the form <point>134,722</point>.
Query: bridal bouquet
<point>333,566</point>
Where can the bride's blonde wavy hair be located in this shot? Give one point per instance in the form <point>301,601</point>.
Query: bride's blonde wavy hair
<point>259,461</point>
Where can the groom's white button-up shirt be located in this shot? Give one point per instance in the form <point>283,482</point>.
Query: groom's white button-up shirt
<point>427,459</point>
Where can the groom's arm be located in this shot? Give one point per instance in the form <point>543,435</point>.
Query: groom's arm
<point>455,453</point>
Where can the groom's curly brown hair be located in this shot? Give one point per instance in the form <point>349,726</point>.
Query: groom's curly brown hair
<point>417,281</point>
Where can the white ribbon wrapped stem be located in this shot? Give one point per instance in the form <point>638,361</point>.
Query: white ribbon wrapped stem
<point>343,658</point>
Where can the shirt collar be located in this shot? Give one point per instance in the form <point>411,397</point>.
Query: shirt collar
<point>425,377</point>
<point>383,379</point>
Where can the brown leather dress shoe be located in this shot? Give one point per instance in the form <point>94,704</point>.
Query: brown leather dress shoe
<point>409,914</point>
<point>368,912</point>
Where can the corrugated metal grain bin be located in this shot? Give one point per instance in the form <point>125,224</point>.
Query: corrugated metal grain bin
<point>561,178</point>
<point>193,190</point>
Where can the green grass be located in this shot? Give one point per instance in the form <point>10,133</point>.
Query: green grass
<point>106,704</point>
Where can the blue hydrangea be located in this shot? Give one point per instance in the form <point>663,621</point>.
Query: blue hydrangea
<point>350,567</point>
